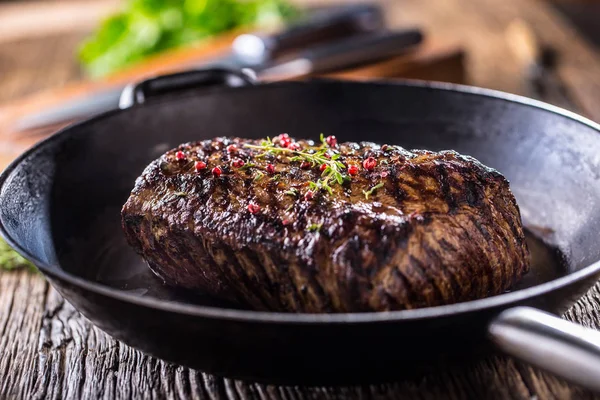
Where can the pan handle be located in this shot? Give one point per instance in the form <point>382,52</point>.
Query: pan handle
<point>139,93</point>
<point>565,349</point>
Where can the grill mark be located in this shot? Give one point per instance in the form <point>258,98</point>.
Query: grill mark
<point>480,228</point>
<point>490,249</point>
<point>159,257</point>
<point>318,290</point>
<point>469,264</point>
<point>473,193</point>
<point>399,193</point>
<point>448,277</point>
<point>284,285</point>
<point>503,250</point>
<point>230,279</point>
<point>474,258</point>
<point>247,259</point>
<point>317,277</point>
<point>400,279</point>
<point>460,283</point>
<point>283,267</point>
<point>445,187</point>
<point>354,263</point>
<point>514,252</point>
<point>176,251</point>
<point>305,288</point>
<point>223,283</point>
<point>260,297</point>
<point>421,269</point>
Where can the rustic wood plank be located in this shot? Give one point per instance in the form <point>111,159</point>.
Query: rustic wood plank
<point>48,350</point>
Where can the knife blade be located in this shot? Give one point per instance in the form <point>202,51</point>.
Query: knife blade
<point>345,53</point>
<point>247,50</point>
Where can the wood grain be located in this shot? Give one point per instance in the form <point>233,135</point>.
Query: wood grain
<point>48,350</point>
<point>39,18</point>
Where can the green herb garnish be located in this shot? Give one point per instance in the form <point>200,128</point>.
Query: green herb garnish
<point>246,166</point>
<point>11,260</point>
<point>322,139</point>
<point>258,176</point>
<point>275,177</point>
<point>331,174</point>
<point>372,190</point>
<point>292,192</point>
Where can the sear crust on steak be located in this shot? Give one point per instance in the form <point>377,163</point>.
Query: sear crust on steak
<point>395,230</point>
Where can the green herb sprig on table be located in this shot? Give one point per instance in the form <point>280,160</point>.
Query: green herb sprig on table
<point>146,27</point>
<point>11,260</point>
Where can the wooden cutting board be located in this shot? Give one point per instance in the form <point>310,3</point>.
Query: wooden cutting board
<point>433,60</point>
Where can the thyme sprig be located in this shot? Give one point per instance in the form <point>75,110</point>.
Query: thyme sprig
<point>292,192</point>
<point>369,192</point>
<point>246,166</point>
<point>258,176</point>
<point>319,156</point>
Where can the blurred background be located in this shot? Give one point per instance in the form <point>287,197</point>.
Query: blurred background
<point>62,60</point>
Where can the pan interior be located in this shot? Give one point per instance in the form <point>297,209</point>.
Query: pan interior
<point>62,202</point>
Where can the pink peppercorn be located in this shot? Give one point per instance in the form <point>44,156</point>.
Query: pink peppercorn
<point>200,165</point>
<point>369,163</point>
<point>237,163</point>
<point>293,146</point>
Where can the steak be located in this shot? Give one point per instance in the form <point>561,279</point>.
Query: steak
<point>295,226</point>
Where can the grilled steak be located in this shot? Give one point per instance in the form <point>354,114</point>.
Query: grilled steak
<point>297,226</point>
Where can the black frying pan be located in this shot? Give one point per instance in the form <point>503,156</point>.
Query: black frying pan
<point>60,203</point>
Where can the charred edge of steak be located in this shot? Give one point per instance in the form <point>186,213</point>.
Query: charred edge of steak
<point>441,228</point>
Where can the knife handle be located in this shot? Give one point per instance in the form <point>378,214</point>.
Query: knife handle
<point>139,93</point>
<point>360,50</point>
<point>320,26</point>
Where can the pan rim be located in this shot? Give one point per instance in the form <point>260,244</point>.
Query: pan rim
<point>56,272</point>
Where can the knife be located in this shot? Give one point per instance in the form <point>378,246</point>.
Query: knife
<point>247,50</point>
<point>341,54</point>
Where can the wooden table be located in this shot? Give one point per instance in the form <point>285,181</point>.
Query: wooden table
<point>48,350</point>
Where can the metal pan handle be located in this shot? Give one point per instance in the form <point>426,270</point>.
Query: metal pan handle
<point>565,349</point>
<point>139,93</point>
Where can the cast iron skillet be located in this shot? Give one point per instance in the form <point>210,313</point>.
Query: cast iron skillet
<point>60,203</point>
